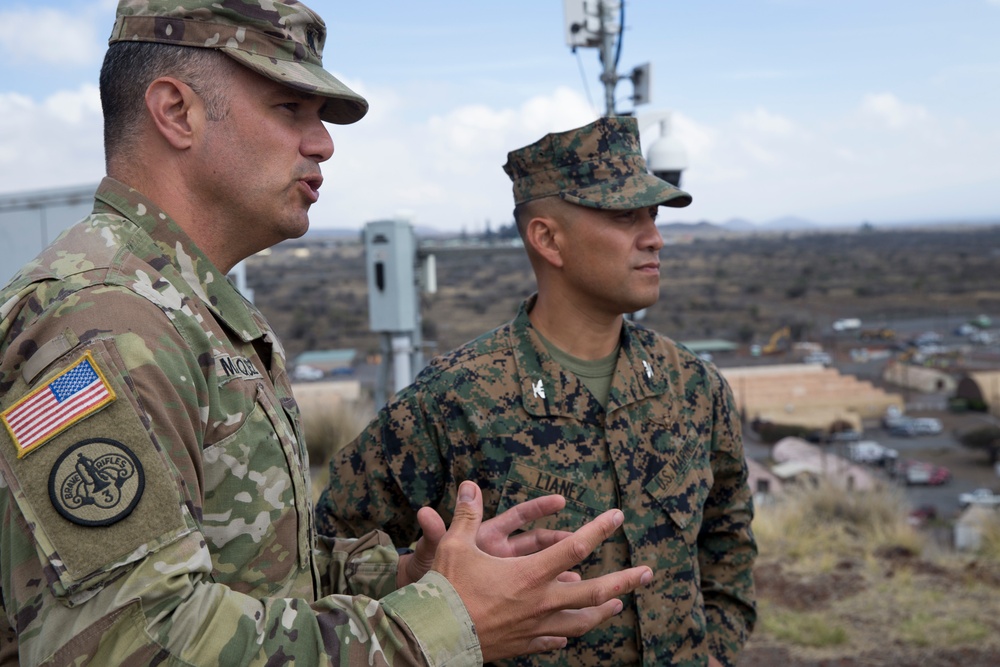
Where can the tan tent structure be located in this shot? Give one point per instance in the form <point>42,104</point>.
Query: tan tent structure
<point>809,395</point>
<point>981,389</point>
<point>918,378</point>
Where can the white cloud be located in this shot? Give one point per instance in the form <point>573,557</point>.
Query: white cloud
<point>57,142</point>
<point>446,170</point>
<point>887,109</point>
<point>886,159</point>
<point>762,121</point>
<point>67,39</point>
<point>469,130</point>
<point>74,107</point>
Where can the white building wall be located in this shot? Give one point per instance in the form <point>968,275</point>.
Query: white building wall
<point>29,221</point>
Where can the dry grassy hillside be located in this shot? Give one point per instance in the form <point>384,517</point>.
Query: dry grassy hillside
<point>843,580</point>
<point>737,287</point>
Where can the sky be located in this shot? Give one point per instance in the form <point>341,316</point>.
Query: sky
<point>834,111</point>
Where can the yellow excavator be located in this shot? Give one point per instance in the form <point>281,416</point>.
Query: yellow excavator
<point>779,342</point>
<point>884,334</point>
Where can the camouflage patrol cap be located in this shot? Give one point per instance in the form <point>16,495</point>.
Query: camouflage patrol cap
<point>280,39</point>
<point>597,166</point>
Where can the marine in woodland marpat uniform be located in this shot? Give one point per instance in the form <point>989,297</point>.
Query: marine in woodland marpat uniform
<point>570,397</point>
<point>155,505</point>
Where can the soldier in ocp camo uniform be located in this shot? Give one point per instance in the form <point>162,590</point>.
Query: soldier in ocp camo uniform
<point>570,397</point>
<point>154,494</point>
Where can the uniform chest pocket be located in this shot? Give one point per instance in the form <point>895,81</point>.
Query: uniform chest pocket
<point>583,503</point>
<point>255,515</point>
<point>682,485</point>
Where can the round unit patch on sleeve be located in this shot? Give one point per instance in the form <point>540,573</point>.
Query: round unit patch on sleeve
<point>96,482</point>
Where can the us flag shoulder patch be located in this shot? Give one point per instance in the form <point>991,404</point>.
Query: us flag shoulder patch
<point>75,393</point>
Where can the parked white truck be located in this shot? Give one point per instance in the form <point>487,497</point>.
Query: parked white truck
<point>869,451</point>
<point>979,497</point>
<point>847,324</point>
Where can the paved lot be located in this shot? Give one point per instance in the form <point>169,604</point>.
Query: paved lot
<point>970,469</point>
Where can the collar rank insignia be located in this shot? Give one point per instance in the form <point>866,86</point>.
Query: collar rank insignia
<point>538,389</point>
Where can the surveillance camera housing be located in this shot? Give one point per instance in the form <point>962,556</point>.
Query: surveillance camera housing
<point>666,157</point>
<point>672,176</point>
<point>667,154</point>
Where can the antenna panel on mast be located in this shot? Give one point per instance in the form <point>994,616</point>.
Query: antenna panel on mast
<point>583,23</point>
<point>641,83</point>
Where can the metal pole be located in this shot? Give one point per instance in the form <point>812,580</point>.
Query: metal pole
<point>609,77</point>
<point>402,348</point>
<point>382,379</point>
<point>417,337</point>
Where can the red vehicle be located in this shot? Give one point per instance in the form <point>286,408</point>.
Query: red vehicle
<point>918,472</point>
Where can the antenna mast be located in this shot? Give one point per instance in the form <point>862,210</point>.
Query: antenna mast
<point>592,24</point>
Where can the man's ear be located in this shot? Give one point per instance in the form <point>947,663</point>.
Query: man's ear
<point>544,235</point>
<point>175,110</point>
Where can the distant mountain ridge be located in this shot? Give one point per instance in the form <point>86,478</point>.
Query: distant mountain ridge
<point>788,223</point>
<point>739,225</point>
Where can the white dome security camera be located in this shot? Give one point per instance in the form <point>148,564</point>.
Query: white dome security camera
<point>667,158</point>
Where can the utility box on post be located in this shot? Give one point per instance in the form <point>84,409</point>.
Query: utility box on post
<point>390,258</point>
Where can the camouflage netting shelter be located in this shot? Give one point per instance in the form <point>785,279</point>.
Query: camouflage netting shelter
<point>981,391</point>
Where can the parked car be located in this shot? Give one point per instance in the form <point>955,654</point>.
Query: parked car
<point>902,426</point>
<point>847,324</point>
<point>982,337</point>
<point>306,372</point>
<point>919,516</point>
<point>849,435</point>
<point>979,497</point>
<point>921,473</point>
<point>966,329</point>
<point>927,338</point>
<point>926,425</point>
<point>893,415</point>
<point>818,358</point>
<point>869,451</point>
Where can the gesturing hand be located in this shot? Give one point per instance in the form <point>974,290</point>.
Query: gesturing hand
<point>494,536</point>
<point>526,603</point>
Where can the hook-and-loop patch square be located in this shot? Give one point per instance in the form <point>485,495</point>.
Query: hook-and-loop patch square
<point>50,409</point>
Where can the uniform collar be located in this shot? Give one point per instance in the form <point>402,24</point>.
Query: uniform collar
<point>174,248</point>
<point>548,390</point>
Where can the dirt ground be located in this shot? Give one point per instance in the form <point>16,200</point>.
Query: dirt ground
<point>850,593</point>
<point>778,656</point>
